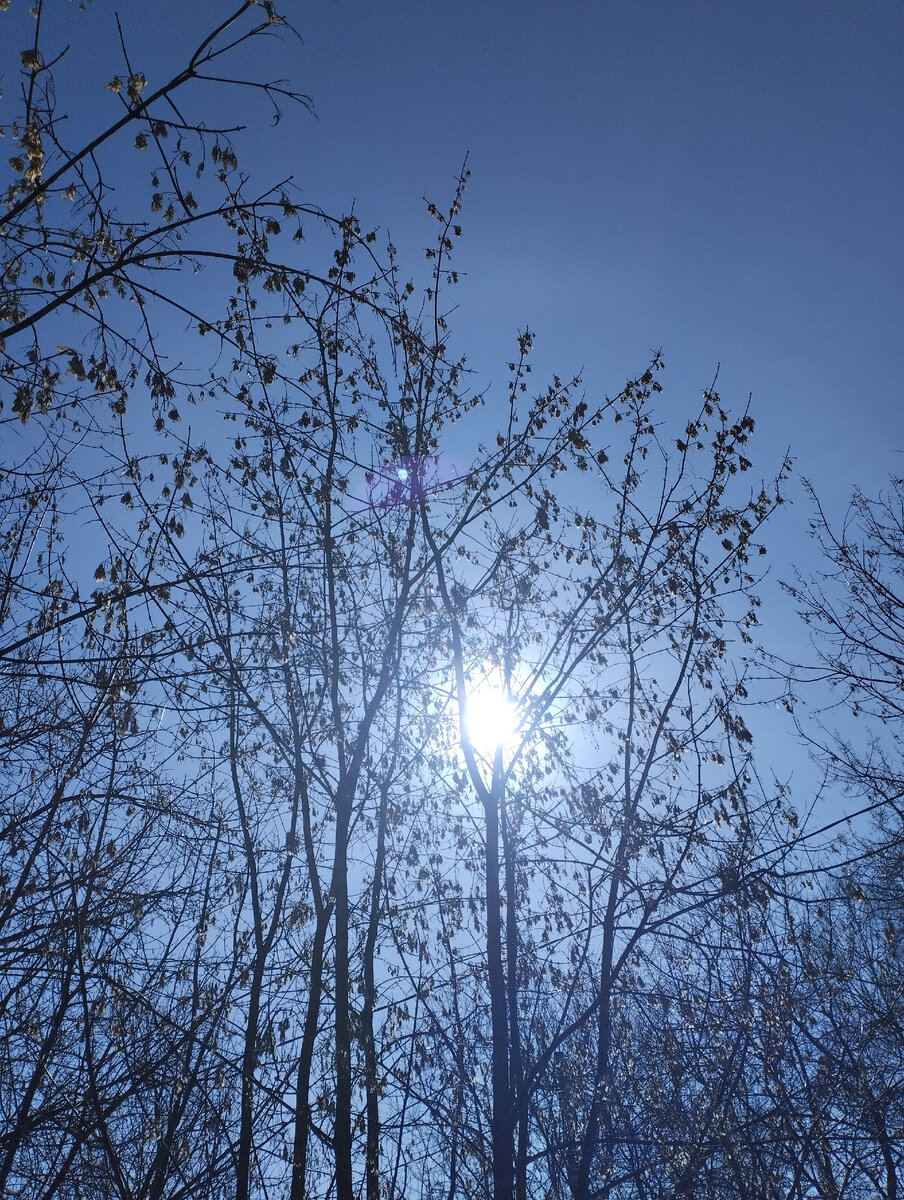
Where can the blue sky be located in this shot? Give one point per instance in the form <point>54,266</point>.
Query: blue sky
<point>719,181</point>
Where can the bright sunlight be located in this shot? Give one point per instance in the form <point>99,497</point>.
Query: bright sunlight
<point>492,718</point>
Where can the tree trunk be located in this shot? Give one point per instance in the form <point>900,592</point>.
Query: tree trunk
<point>342,1129</point>
<point>306,1060</point>
<point>502,1119</point>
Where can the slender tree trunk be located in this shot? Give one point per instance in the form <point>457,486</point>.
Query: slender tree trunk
<point>342,1129</point>
<point>372,1159</point>
<point>249,1069</point>
<point>249,1051</point>
<point>580,1176</point>
<point>502,1119</point>
<point>306,1059</point>
<point>516,1066</point>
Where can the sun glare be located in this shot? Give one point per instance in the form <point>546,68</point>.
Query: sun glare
<point>492,719</point>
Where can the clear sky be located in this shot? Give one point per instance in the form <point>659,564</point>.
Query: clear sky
<point>721,181</point>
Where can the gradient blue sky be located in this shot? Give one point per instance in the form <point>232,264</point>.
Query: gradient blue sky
<point>721,181</point>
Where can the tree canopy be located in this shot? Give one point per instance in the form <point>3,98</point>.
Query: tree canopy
<point>288,907</point>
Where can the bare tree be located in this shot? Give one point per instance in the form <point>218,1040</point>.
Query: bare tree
<point>611,621</point>
<point>280,916</point>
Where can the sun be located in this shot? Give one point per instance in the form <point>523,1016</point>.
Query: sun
<point>492,718</point>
